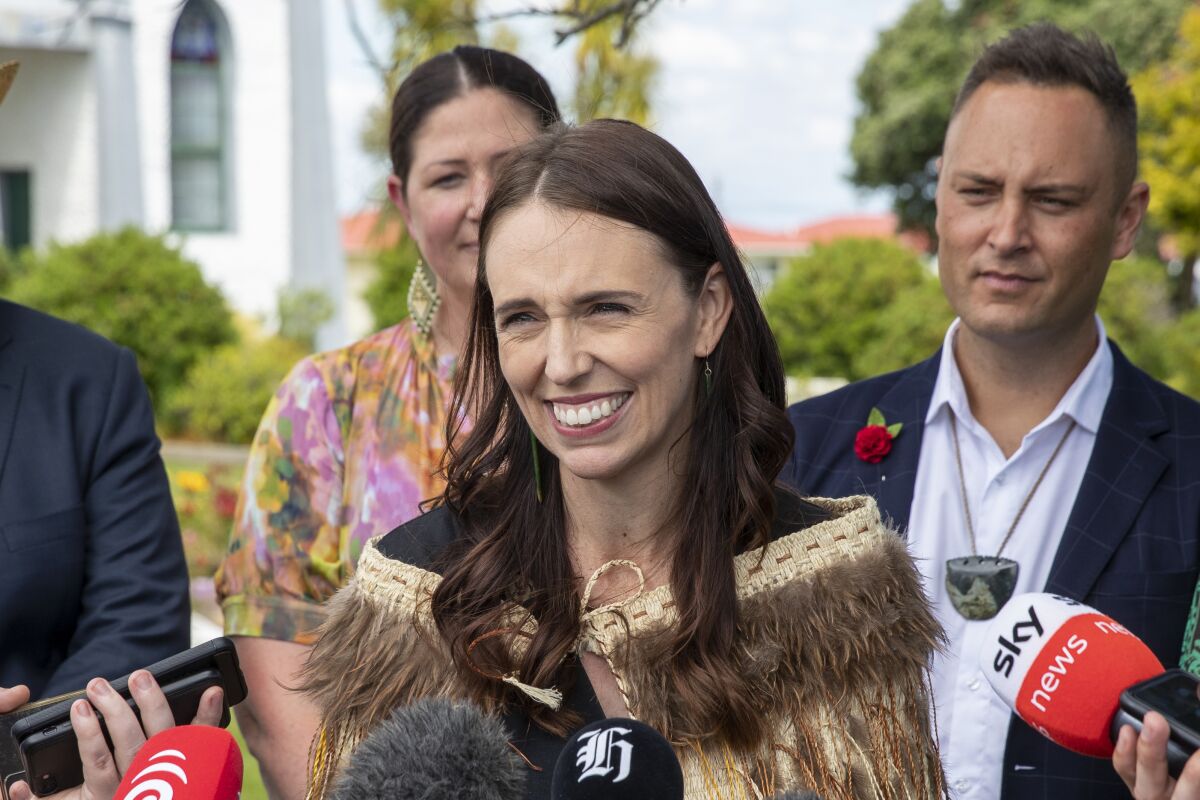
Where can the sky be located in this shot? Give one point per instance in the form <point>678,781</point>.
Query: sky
<point>757,94</point>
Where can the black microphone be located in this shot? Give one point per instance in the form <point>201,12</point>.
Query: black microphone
<point>614,759</point>
<point>434,749</point>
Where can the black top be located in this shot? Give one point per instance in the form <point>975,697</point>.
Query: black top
<point>421,541</point>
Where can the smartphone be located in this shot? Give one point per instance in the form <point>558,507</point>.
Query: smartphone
<point>45,741</point>
<point>1176,695</point>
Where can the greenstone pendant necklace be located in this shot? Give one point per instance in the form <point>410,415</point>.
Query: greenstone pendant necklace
<point>979,586</point>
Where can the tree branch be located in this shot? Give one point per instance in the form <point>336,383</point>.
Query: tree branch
<point>577,20</point>
<point>364,44</point>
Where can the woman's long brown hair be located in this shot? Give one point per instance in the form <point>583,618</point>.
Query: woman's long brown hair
<point>514,550</point>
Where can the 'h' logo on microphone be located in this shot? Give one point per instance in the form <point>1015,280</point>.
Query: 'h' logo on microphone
<point>599,749</point>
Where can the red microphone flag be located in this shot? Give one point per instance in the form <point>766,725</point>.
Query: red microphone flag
<point>189,762</point>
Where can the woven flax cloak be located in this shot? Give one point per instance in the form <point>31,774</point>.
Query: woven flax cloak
<point>835,637</point>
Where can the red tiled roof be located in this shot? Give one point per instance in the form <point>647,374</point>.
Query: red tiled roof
<point>365,232</point>
<point>867,226</point>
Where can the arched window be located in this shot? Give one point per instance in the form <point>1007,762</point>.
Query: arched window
<point>200,57</point>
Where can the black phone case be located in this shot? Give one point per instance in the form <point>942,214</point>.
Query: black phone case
<point>49,719</point>
<point>51,756</point>
<point>1183,740</point>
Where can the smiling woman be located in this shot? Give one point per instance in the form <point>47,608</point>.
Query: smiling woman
<point>611,540</point>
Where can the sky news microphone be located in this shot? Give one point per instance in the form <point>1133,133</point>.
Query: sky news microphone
<point>1061,666</point>
<point>188,762</point>
<point>614,759</point>
<point>434,749</point>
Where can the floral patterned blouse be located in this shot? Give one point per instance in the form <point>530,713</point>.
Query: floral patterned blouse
<point>346,450</point>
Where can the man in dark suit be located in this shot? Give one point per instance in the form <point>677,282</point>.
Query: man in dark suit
<point>1029,439</point>
<point>92,576</point>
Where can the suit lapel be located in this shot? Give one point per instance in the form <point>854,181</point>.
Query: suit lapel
<point>1123,470</point>
<point>891,481</point>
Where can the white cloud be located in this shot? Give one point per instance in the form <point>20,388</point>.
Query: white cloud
<point>680,43</point>
<point>758,94</point>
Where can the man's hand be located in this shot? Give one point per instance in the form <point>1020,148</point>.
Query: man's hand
<point>14,698</point>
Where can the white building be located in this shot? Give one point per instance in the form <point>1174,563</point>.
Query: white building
<point>206,118</point>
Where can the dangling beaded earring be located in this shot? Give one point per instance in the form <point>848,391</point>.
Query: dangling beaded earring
<point>423,298</point>
<point>537,465</point>
<point>707,378</point>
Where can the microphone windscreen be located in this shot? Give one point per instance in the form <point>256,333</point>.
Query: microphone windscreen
<point>434,749</point>
<point>188,762</point>
<point>803,794</point>
<point>614,759</point>
<point>1062,666</point>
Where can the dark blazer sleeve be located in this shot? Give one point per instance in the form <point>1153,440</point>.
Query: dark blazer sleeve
<point>134,601</point>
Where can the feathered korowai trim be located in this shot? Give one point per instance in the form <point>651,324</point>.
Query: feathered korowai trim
<point>377,650</point>
<point>835,637</point>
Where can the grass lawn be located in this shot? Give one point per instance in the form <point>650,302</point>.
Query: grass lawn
<point>252,783</point>
<point>205,496</point>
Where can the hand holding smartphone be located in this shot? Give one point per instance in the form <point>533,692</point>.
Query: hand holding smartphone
<point>42,747</point>
<point>1176,695</point>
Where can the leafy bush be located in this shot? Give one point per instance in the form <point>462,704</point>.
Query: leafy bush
<point>387,295</point>
<point>301,312</point>
<point>136,290</point>
<point>1181,348</point>
<point>227,390</point>
<point>856,308</point>
<point>11,266</point>
<point>1136,308</point>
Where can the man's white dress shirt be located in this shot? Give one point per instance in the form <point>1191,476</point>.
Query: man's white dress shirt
<point>972,721</point>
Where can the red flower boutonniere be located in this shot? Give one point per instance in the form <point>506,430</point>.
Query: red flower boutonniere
<point>874,440</point>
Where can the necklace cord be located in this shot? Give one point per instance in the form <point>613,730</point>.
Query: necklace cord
<point>962,485</point>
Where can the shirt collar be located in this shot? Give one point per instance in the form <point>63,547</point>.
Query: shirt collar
<point>1083,401</point>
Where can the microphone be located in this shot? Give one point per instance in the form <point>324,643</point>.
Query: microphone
<point>188,762</point>
<point>615,759</point>
<point>803,794</point>
<point>1061,666</point>
<point>434,749</point>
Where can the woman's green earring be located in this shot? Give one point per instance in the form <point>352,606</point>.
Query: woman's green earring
<point>537,465</point>
<point>423,298</point>
<point>707,378</point>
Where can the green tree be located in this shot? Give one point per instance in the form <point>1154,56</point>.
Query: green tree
<point>855,308</point>
<point>387,295</point>
<point>1181,354</point>
<point>1137,312</point>
<point>907,85</point>
<point>137,291</point>
<point>614,77</point>
<point>1168,96</point>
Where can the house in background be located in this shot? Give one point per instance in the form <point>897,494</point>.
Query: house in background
<point>364,234</point>
<point>769,251</point>
<point>204,118</point>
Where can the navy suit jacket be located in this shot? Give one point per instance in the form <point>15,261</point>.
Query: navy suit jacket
<point>92,576</point>
<point>1131,547</point>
